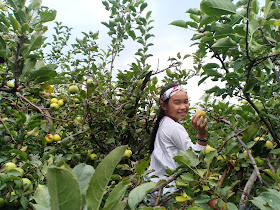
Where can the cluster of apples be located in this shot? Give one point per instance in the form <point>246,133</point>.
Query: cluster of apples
<point>55,103</point>
<point>25,181</point>
<point>50,138</point>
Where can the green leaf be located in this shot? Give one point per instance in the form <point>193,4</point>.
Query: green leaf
<point>28,67</point>
<point>272,174</point>
<point>250,133</point>
<point>14,22</point>
<point>42,196</point>
<point>64,189</point>
<point>83,173</point>
<point>22,155</point>
<point>143,6</point>
<point>47,16</point>
<point>224,43</point>
<point>116,195</point>
<point>139,193</point>
<point>217,7</point>
<point>132,8</point>
<point>187,158</point>
<point>101,177</point>
<point>131,34</point>
<point>268,200</point>
<point>35,43</point>
<point>180,23</point>
<point>142,166</point>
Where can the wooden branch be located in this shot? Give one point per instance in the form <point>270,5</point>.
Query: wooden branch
<point>222,62</point>
<point>41,110</point>
<point>272,45</point>
<point>270,128</point>
<point>167,181</point>
<point>248,152</point>
<point>246,191</point>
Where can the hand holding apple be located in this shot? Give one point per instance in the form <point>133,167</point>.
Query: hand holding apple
<point>199,125</point>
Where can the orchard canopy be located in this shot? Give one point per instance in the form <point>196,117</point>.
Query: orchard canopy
<point>75,131</point>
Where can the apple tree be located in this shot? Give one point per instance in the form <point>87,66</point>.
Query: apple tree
<point>238,49</point>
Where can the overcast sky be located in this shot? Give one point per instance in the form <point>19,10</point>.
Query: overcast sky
<point>86,15</point>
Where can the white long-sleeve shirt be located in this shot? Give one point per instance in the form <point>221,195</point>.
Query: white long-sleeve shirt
<point>170,139</point>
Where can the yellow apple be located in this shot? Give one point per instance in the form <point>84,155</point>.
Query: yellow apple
<point>49,138</point>
<point>9,166</point>
<point>245,102</point>
<point>53,100</point>
<point>208,149</point>
<point>56,137</point>
<point>268,145</point>
<point>10,84</point>
<point>200,112</point>
<point>73,89</point>
<point>93,156</point>
<point>127,154</point>
<point>27,184</point>
<point>60,102</point>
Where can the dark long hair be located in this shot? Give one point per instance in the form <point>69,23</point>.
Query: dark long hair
<point>161,114</point>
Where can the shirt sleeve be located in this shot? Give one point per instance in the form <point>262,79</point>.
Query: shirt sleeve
<point>182,141</point>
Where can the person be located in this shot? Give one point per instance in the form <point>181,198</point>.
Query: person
<point>169,136</point>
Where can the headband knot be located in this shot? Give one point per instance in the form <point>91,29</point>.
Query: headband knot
<point>170,92</point>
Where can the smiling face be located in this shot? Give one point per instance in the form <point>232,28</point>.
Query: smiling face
<point>177,106</point>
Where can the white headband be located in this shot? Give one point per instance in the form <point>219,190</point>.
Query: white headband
<point>171,91</point>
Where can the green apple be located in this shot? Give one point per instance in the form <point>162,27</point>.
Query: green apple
<point>93,157</point>
<point>49,138</point>
<point>208,149</point>
<point>89,81</point>
<point>259,161</point>
<point>9,166</point>
<point>259,139</point>
<point>259,105</point>
<point>127,154</point>
<point>53,100</point>
<point>2,202</point>
<point>244,102</point>
<point>20,170</point>
<point>79,118</point>
<point>73,89</point>
<point>54,106</point>
<point>200,112</point>
<point>268,145</point>
<point>56,137</point>
<point>27,184</point>
<point>60,102</point>
<point>10,84</point>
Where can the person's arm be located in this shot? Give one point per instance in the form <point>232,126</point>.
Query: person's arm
<point>200,128</point>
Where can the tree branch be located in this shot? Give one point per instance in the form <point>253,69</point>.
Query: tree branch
<point>246,191</point>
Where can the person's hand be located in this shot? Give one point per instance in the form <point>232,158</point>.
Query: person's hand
<point>199,126</point>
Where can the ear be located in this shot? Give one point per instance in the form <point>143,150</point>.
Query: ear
<point>163,106</point>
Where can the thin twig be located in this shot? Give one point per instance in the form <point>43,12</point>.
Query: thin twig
<point>247,32</point>
<point>8,131</point>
